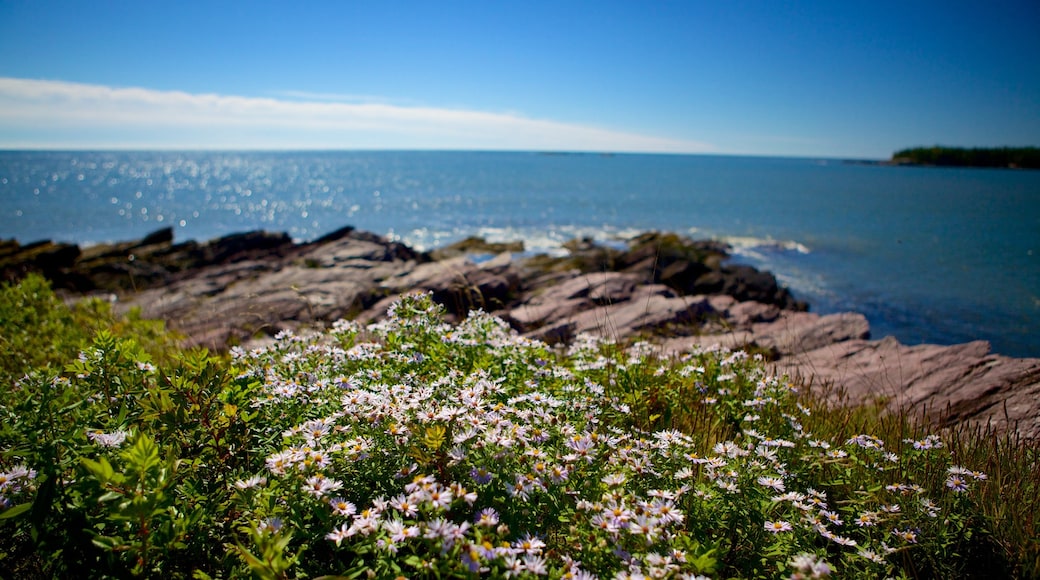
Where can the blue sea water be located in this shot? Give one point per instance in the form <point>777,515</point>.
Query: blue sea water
<point>928,255</point>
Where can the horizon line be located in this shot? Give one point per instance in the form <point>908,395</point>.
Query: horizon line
<point>548,152</point>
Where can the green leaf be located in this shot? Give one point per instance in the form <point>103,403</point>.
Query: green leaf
<point>254,563</point>
<point>107,542</point>
<point>112,495</point>
<point>143,454</point>
<point>15,511</point>
<point>101,469</point>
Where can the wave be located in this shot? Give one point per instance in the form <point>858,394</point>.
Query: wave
<point>551,240</point>
<point>541,240</point>
<point>749,244</point>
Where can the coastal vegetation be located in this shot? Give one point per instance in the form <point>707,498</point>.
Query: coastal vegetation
<point>414,448</point>
<point>1010,157</point>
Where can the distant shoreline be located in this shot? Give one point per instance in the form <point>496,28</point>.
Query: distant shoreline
<point>903,163</point>
<point>984,158</point>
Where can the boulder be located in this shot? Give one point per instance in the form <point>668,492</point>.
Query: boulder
<point>793,333</point>
<point>572,295</point>
<point>781,333</point>
<point>459,284</point>
<point>654,309</point>
<point>52,260</point>
<point>745,284</point>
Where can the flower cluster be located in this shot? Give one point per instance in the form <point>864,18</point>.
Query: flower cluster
<point>14,482</point>
<point>113,439</point>
<point>469,446</point>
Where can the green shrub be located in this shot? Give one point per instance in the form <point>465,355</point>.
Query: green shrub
<point>413,448</point>
<point>39,332</point>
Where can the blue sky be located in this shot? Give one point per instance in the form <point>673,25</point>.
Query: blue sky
<point>830,79</point>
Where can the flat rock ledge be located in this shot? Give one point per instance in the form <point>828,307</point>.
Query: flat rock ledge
<point>678,293</point>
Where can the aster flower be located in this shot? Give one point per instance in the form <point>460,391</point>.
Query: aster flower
<point>319,485</point>
<point>365,523</point>
<point>871,555</point>
<point>908,535</point>
<point>606,523</point>
<point>438,497</point>
<point>316,429</point>
<point>280,462</point>
<point>866,442</point>
<point>272,525</point>
<point>528,544</point>
<point>437,528</point>
<point>727,486</point>
<point>11,480</point>
<point>420,482</point>
<point>249,483</point>
<point>831,517</point>
<point>457,491</point>
<point>778,526</point>
<point>512,566</point>
<point>646,526</point>
<point>771,482</point>
<point>487,517</point>
<point>521,488</point>
<point>809,566</point>
<point>342,507</point>
<point>398,531</point>
<point>558,474</point>
<point>957,483</point>
<point>535,565</point>
<point>929,442</point>
<point>405,505</point>
<point>666,512</point>
<point>866,519</point>
<point>341,533</point>
<point>455,533</point>
<point>113,439</point>
<point>472,555</point>
<point>843,541</point>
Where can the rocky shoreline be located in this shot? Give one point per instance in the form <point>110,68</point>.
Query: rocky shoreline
<point>676,292</point>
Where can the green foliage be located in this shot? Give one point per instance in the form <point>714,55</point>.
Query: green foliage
<point>41,333</point>
<point>415,448</point>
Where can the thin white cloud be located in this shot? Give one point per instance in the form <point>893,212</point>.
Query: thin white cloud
<point>341,98</point>
<point>40,113</point>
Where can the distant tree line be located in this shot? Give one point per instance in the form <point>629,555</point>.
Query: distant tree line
<point>1016,157</point>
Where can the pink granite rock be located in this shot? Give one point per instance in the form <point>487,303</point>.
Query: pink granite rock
<point>949,384</point>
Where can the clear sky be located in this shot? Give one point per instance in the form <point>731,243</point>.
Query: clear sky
<point>828,78</point>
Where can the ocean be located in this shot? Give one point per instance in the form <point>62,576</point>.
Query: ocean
<point>929,255</point>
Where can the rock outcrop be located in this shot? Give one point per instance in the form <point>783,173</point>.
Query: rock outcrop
<point>234,298</point>
<point>948,384</point>
<point>681,294</point>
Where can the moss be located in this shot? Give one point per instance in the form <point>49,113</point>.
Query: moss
<point>475,245</point>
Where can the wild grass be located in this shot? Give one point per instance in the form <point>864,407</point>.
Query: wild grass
<point>413,448</point>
